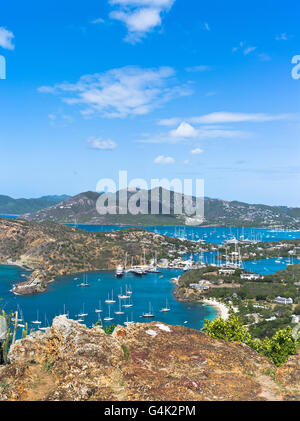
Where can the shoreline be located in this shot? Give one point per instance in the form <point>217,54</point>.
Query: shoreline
<point>222,309</point>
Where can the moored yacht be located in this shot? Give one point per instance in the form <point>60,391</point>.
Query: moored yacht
<point>108,318</point>
<point>166,309</point>
<point>110,301</point>
<point>149,314</point>
<point>119,271</point>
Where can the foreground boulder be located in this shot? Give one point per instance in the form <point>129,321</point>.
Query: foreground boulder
<point>142,362</point>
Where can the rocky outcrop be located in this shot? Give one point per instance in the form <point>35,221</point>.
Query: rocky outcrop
<point>142,362</point>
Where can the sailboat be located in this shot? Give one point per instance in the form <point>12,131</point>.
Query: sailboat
<point>109,318</point>
<point>122,296</point>
<point>149,314</point>
<point>83,314</point>
<point>99,320</point>
<point>110,301</point>
<point>65,313</point>
<point>128,323</point>
<point>37,321</point>
<point>99,310</point>
<point>85,282</point>
<point>128,304</point>
<point>128,290</point>
<point>119,312</point>
<point>46,325</point>
<point>165,309</point>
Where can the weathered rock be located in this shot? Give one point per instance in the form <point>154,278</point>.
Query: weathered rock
<point>142,362</point>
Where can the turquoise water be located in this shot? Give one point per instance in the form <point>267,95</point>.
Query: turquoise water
<point>268,266</point>
<point>215,235</point>
<point>260,266</point>
<point>154,288</point>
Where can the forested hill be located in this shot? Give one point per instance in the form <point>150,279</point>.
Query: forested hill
<point>82,209</point>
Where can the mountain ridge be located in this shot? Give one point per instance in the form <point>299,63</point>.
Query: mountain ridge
<point>11,206</point>
<point>81,209</point>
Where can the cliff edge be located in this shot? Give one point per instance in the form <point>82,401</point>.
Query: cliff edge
<point>150,361</point>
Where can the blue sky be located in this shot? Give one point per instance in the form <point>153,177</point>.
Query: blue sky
<point>161,88</point>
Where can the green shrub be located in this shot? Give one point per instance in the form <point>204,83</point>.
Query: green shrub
<point>278,348</point>
<point>231,329</point>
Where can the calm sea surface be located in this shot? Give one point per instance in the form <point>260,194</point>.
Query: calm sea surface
<point>66,295</point>
<point>152,289</point>
<point>215,235</point>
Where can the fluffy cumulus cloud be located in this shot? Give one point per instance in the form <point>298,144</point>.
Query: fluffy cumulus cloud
<point>140,16</point>
<point>121,92</point>
<point>6,39</point>
<point>101,144</point>
<point>161,159</point>
<point>184,130</point>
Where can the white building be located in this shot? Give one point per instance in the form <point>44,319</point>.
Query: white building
<point>251,276</point>
<point>281,300</point>
<point>226,271</point>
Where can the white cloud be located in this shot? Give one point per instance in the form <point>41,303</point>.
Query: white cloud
<point>184,130</point>
<point>249,50</point>
<point>196,151</point>
<point>6,38</point>
<point>98,143</point>
<point>204,132</point>
<point>206,26</point>
<point>161,159</point>
<point>169,121</point>
<point>211,126</point>
<point>121,92</point>
<point>229,117</point>
<point>140,16</point>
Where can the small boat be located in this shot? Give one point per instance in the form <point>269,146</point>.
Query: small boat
<point>128,323</point>
<point>123,296</point>
<point>110,301</point>
<point>153,269</point>
<point>137,272</point>
<point>37,321</point>
<point>128,290</point>
<point>84,283</point>
<point>43,329</point>
<point>65,313</point>
<point>109,318</point>
<point>83,314</point>
<point>149,314</point>
<point>119,272</point>
<point>165,309</point>
<point>99,310</point>
<point>128,304</point>
<point>119,312</point>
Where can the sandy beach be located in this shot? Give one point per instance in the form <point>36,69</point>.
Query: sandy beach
<point>221,308</point>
